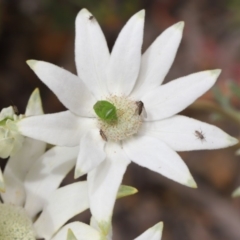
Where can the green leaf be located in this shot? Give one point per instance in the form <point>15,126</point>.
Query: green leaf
<point>235,89</point>
<point>70,235</point>
<point>221,98</point>
<point>106,111</point>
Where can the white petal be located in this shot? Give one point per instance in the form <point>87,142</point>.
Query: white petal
<point>91,53</point>
<point>157,60</point>
<point>63,204</point>
<point>7,113</point>
<point>63,128</point>
<point>34,106</point>
<point>91,152</point>
<point>157,156</point>
<point>184,134</point>
<point>25,158</point>
<point>103,184</point>
<point>2,183</point>
<point>94,224</point>
<point>236,193</point>
<point>82,231</point>
<point>14,190</point>
<point>125,58</point>
<point>69,89</point>
<point>6,147</point>
<point>46,175</point>
<point>17,167</point>
<point>173,97</point>
<point>153,233</point>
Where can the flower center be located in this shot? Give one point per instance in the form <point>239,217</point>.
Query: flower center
<point>126,123</point>
<point>15,224</point>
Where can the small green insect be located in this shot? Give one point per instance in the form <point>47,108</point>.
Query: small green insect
<point>106,111</point>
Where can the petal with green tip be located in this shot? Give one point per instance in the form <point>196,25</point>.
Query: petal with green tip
<point>103,184</point>
<point>171,98</point>
<point>34,106</point>
<point>158,157</point>
<point>153,233</point>
<point>63,128</point>
<point>157,60</point>
<point>70,235</point>
<point>82,231</point>
<point>69,89</point>
<point>91,53</point>
<point>125,60</point>
<point>182,134</point>
<point>125,191</point>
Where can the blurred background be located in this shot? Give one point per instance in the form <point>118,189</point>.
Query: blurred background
<point>44,30</point>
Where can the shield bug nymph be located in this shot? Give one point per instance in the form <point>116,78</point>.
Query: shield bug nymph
<point>103,135</point>
<point>140,107</point>
<point>200,135</point>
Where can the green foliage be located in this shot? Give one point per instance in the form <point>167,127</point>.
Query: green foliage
<point>234,88</point>
<point>221,98</point>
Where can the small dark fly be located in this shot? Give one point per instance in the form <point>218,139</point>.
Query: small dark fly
<point>140,106</point>
<point>103,135</point>
<point>91,17</point>
<point>200,135</point>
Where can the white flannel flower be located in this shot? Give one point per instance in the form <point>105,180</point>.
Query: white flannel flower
<point>82,231</point>
<point>119,112</point>
<point>19,217</point>
<point>38,192</point>
<point>32,187</point>
<point>10,139</point>
<point>15,145</point>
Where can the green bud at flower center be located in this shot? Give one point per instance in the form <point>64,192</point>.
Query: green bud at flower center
<point>15,224</point>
